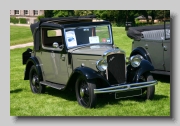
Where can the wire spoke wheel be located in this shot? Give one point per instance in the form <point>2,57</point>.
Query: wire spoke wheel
<point>35,82</point>
<point>85,93</point>
<point>148,93</point>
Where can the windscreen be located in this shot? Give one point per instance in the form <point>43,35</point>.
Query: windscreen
<point>86,35</point>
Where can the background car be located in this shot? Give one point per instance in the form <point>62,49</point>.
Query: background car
<point>153,44</point>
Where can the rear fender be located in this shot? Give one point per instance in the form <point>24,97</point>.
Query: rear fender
<point>26,55</point>
<point>32,61</point>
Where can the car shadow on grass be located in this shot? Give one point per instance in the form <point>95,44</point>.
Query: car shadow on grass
<point>16,91</point>
<point>110,99</point>
<point>106,99</point>
<point>65,94</point>
<point>102,99</point>
<point>162,78</point>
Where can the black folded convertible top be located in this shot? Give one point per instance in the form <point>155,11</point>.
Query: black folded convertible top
<point>63,20</point>
<point>135,32</point>
<point>58,20</point>
<point>73,18</point>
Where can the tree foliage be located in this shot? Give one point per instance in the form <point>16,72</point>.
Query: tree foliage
<point>117,17</point>
<point>83,12</point>
<point>63,13</point>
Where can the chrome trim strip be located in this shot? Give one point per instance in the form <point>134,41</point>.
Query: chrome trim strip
<point>125,87</point>
<point>115,50</point>
<point>112,51</point>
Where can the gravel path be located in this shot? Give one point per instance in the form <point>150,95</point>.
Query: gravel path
<point>30,43</point>
<point>21,45</point>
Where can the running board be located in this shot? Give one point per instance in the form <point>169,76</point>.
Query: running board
<point>161,72</point>
<point>53,85</point>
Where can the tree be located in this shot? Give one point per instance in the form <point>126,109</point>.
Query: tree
<point>83,12</point>
<point>63,13</point>
<point>153,14</point>
<point>163,14</point>
<point>117,17</point>
<point>48,13</point>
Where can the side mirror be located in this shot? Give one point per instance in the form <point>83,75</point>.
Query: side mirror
<point>55,45</point>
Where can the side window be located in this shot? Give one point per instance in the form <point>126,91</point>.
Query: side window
<point>49,36</point>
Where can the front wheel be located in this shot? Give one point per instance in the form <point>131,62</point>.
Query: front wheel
<point>85,93</point>
<point>148,93</point>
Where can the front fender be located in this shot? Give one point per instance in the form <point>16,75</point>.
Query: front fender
<point>32,61</point>
<point>89,74</point>
<point>133,74</point>
<point>142,52</point>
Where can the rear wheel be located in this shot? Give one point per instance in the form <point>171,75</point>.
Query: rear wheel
<point>148,93</point>
<point>85,93</point>
<point>35,86</point>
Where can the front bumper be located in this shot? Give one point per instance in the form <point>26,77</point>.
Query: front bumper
<point>125,87</point>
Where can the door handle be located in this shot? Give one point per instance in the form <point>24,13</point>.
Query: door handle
<point>63,57</point>
<point>165,48</point>
<point>52,54</point>
<point>146,46</point>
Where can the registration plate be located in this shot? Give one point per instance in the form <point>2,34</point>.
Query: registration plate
<point>130,93</point>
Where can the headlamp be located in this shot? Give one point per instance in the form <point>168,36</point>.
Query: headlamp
<point>135,60</point>
<point>101,65</point>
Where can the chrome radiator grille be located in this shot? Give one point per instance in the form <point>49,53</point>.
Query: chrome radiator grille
<point>116,68</point>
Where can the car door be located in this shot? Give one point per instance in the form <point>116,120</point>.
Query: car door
<point>53,60</point>
<point>167,59</point>
<point>167,49</point>
<point>154,50</point>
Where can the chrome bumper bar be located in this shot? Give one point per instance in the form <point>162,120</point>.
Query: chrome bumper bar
<point>125,87</point>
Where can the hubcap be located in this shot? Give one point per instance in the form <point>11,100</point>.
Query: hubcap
<point>34,80</point>
<point>82,92</point>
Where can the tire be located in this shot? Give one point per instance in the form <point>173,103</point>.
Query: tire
<point>85,93</point>
<point>35,86</point>
<point>148,93</point>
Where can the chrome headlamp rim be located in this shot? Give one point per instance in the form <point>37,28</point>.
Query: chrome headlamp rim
<point>135,60</point>
<point>99,65</point>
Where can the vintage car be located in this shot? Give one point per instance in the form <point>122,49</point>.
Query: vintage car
<point>89,64</point>
<point>153,44</point>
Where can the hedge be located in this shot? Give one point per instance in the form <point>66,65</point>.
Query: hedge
<point>23,20</point>
<point>14,20</point>
<point>40,16</point>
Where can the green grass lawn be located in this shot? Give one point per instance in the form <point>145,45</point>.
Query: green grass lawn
<point>20,35</point>
<point>58,103</point>
<point>121,40</point>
